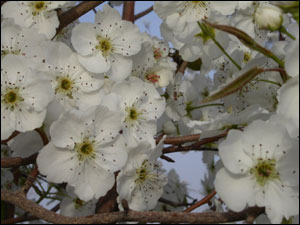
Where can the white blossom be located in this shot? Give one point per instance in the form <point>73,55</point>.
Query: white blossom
<point>37,14</point>
<point>261,168</point>
<point>106,45</point>
<point>24,96</point>
<point>17,40</point>
<point>85,151</point>
<point>74,87</point>
<point>73,206</point>
<point>140,182</point>
<point>140,108</point>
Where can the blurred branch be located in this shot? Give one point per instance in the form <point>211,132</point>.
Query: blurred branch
<point>17,161</point>
<point>30,179</point>
<point>26,217</point>
<point>15,133</point>
<point>74,13</point>
<point>180,139</point>
<point>195,146</point>
<point>203,201</point>
<point>18,199</point>
<point>128,11</point>
<point>182,67</point>
<point>145,12</point>
<point>174,204</point>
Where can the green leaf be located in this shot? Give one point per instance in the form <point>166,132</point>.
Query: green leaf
<point>235,85</point>
<point>196,65</point>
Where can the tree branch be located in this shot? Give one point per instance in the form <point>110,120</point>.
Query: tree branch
<point>182,67</point>
<point>73,14</point>
<point>203,201</point>
<point>180,139</point>
<point>30,179</point>
<point>15,133</point>
<point>17,161</point>
<point>145,12</point>
<point>128,11</point>
<point>195,146</point>
<point>21,201</point>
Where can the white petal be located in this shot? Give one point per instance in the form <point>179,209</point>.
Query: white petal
<point>28,119</point>
<point>38,92</point>
<point>237,191</point>
<point>57,164</point>
<point>26,144</point>
<point>46,23</point>
<point>232,154</point>
<point>107,124</point>
<point>288,165</point>
<point>112,157</point>
<point>288,107</point>
<point>281,202</point>
<point>7,124</point>
<point>224,7</point>
<point>121,67</point>
<point>92,182</point>
<point>292,61</point>
<point>84,38</point>
<point>67,130</point>
<point>95,63</point>
<point>129,41</point>
<point>19,13</point>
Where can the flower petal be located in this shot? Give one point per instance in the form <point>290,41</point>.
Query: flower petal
<point>237,191</point>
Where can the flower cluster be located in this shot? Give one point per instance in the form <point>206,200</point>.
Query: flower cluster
<point>107,96</point>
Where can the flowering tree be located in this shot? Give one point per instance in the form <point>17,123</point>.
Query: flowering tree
<point>89,110</point>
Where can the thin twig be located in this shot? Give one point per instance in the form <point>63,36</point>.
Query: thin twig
<point>145,12</point>
<point>15,133</point>
<point>30,179</point>
<point>196,146</point>
<point>174,204</point>
<point>203,201</point>
<point>168,159</point>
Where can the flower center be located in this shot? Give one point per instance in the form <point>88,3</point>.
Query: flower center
<point>11,98</point>
<point>64,86</point>
<point>153,78</point>
<point>6,52</point>
<point>157,53</point>
<point>85,149</point>
<point>142,173</point>
<point>78,203</point>
<point>132,114</point>
<point>104,45</point>
<point>247,57</point>
<point>37,7</point>
<point>264,171</point>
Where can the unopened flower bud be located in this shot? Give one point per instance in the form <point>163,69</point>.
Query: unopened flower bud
<point>268,17</point>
